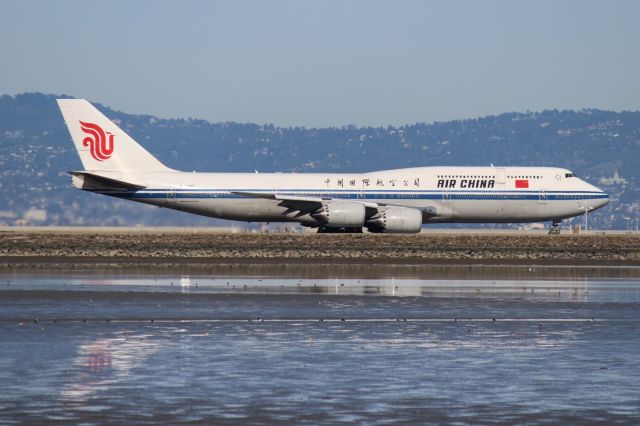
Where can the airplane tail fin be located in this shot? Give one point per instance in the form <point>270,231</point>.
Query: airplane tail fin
<point>101,144</point>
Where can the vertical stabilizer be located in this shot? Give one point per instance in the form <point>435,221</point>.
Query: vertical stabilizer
<point>101,144</point>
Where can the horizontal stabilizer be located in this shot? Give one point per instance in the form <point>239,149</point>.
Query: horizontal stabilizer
<point>88,180</point>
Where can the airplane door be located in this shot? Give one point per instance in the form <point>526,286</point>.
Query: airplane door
<point>542,197</point>
<point>444,209</point>
<point>501,176</point>
<point>171,196</point>
<point>446,197</point>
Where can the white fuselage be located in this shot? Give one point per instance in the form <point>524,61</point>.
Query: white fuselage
<point>394,201</point>
<point>442,194</point>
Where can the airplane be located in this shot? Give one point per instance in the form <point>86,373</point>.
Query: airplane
<point>387,201</point>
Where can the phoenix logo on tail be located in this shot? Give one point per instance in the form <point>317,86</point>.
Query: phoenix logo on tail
<point>101,147</point>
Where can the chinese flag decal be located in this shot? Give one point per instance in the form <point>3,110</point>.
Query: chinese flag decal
<point>522,183</point>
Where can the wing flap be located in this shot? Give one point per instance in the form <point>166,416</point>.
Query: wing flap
<point>295,203</point>
<point>301,204</point>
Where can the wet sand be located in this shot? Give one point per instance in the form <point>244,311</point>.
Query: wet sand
<point>190,246</point>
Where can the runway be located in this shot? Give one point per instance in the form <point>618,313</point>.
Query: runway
<point>196,246</point>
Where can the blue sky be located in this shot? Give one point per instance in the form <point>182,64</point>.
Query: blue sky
<point>326,62</point>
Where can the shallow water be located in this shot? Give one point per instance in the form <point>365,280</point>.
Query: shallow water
<point>113,348</point>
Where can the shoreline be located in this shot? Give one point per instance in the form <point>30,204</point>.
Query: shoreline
<point>102,268</point>
<point>83,247</point>
<point>134,261</point>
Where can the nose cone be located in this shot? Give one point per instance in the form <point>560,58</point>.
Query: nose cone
<point>601,199</point>
<point>598,198</point>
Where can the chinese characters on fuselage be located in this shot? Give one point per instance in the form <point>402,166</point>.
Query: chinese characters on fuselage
<point>366,182</point>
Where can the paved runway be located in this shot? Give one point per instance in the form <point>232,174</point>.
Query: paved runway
<point>162,247</point>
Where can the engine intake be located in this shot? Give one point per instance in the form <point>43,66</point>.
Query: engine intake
<point>337,214</point>
<point>396,220</point>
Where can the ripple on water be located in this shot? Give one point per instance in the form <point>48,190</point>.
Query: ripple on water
<point>202,361</point>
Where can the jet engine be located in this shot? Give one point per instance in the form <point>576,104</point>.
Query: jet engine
<point>400,220</point>
<point>341,214</point>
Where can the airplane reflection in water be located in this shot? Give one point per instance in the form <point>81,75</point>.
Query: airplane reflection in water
<point>102,363</point>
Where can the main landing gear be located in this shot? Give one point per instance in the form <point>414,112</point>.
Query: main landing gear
<point>555,228</point>
<point>328,230</point>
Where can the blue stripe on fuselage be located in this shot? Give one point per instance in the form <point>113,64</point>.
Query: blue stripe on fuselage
<point>364,194</point>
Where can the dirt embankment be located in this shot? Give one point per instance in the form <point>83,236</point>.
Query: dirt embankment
<point>423,248</point>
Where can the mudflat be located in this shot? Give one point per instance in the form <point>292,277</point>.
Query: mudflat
<point>195,245</point>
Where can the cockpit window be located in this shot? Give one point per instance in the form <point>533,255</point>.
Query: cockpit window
<point>568,175</point>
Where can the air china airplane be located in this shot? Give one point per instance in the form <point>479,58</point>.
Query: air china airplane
<point>391,201</point>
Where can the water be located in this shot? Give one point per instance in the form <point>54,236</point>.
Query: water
<point>107,347</point>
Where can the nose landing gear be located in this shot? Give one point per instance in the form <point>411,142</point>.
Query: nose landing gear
<point>555,228</point>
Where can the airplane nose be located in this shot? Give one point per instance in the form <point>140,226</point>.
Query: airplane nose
<point>601,201</point>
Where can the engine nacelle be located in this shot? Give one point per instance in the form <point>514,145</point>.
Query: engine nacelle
<point>396,220</point>
<point>341,214</point>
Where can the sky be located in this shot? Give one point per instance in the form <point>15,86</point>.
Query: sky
<point>325,63</point>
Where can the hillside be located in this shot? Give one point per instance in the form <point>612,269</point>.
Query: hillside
<point>35,150</point>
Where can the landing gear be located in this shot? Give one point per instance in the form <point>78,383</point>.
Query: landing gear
<point>328,230</point>
<point>555,228</point>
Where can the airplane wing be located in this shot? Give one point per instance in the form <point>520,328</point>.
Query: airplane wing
<point>301,204</point>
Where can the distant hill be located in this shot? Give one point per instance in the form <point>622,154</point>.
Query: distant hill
<point>35,150</point>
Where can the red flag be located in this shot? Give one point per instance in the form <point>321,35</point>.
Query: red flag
<point>522,183</point>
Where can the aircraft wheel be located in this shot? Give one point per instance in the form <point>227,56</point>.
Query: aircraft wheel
<point>555,228</point>
<point>328,230</point>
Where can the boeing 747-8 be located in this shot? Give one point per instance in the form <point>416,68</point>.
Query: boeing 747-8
<point>392,201</point>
